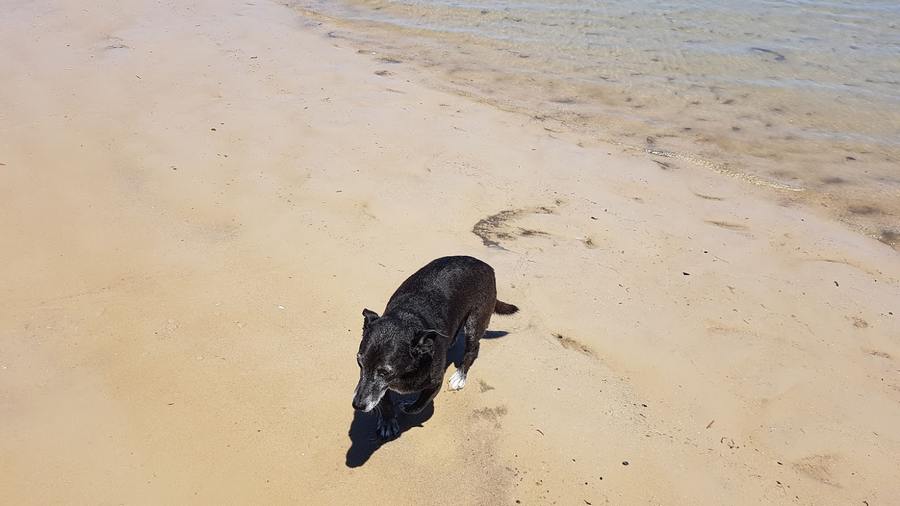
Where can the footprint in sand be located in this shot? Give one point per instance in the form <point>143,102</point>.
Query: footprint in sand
<point>492,415</point>
<point>819,468</point>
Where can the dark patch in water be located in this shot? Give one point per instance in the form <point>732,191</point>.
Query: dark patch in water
<point>778,56</point>
<point>783,174</point>
<point>890,237</point>
<point>864,210</point>
<point>833,180</point>
<point>663,165</point>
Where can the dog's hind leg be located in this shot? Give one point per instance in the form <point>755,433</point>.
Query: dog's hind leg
<point>474,328</point>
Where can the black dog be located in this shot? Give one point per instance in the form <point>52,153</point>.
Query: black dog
<point>406,349</point>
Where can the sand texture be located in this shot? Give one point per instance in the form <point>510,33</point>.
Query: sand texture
<point>197,200</point>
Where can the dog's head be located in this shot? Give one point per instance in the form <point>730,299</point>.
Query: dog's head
<point>388,351</point>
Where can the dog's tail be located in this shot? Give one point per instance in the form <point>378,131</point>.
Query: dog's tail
<point>501,307</point>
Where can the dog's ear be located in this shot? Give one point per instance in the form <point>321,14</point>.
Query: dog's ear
<point>423,343</point>
<point>370,316</point>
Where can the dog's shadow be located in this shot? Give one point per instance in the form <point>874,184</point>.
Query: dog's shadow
<point>363,439</point>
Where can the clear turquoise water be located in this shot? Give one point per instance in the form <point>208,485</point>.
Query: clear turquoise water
<point>802,94</point>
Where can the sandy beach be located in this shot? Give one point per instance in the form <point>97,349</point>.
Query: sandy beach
<point>197,200</point>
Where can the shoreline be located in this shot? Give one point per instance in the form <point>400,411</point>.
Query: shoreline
<point>854,183</point>
<point>199,198</point>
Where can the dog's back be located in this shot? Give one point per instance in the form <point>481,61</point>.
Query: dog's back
<point>443,292</point>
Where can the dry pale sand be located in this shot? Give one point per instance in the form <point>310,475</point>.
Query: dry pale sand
<point>197,199</point>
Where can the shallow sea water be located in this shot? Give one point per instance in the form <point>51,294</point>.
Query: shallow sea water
<point>802,97</point>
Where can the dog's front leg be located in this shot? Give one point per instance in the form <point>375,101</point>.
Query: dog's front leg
<point>388,427</point>
<point>425,396</point>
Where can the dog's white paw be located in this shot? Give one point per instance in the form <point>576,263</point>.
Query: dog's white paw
<point>458,380</point>
<point>388,429</point>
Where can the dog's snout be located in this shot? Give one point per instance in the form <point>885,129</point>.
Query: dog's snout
<point>364,403</point>
<point>360,400</point>
<point>367,395</point>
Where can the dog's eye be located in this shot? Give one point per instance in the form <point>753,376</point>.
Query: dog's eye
<point>381,371</point>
